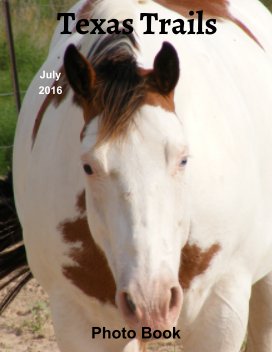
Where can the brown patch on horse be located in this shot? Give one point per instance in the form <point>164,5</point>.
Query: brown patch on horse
<point>91,273</point>
<point>214,8</point>
<point>56,99</point>
<point>194,262</point>
<point>81,203</point>
<point>246,30</point>
<point>84,12</point>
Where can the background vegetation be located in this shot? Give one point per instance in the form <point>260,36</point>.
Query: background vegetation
<point>33,22</point>
<point>268,3</point>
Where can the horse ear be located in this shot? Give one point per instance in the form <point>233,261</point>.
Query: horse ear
<point>165,72</point>
<point>79,72</point>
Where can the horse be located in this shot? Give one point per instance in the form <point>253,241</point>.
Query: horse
<point>144,188</point>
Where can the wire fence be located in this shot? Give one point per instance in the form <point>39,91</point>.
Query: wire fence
<point>33,22</point>
<point>9,94</point>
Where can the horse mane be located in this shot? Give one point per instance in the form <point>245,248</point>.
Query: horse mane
<point>120,88</point>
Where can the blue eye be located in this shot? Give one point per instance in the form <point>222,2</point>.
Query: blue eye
<point>88,170</point>
<point>183,162</point>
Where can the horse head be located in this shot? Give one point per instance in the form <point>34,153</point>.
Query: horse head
<point>134,155</point>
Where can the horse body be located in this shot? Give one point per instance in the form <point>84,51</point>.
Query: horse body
<point>206,224</point>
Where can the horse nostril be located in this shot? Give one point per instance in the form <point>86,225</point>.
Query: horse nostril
<point>175,297</point>
<point>130,304</point>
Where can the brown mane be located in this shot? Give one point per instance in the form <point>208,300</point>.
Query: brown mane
<point>120,88</point>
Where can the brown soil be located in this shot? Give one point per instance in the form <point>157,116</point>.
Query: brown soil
<point>26,326</point>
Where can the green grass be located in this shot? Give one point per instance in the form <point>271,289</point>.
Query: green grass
<point>33,23</point>
<point>39,316</point>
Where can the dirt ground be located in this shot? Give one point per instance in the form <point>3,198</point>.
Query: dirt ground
<point>26,325</point>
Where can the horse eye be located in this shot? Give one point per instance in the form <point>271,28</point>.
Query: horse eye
<point>88,170</point>
<point>183,162</point>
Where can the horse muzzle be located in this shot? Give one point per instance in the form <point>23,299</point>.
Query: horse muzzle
<point>156,306</point>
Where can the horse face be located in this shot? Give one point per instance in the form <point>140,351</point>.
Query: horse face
<point>137,205</point>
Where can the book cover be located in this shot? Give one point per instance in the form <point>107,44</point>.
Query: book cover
<point>135,175</point>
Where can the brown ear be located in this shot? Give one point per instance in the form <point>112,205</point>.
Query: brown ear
<point>79,72</point>
<point>165,72</point>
